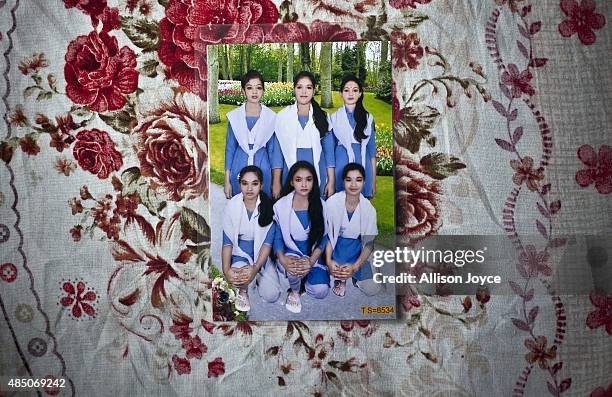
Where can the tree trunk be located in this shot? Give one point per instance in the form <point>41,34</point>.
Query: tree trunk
<point>279,54</point>
<point>249,51</point>
<point>305,56</point>
<point>223,62</point>
<point>313,56</point>
<point>243,60</point>
<point>289,62</point>
<point>326,75</point>
<point>384,52</point>
<point>213,83</point>
<point>230,68</point>
<point>361,62</point>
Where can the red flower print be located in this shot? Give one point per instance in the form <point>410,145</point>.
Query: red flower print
<point>181,330</point>
<point>75,232</point>
<point>190,25</point>
<point>410,301</point>
<point>396,106</point>
<point>601,392</point>
<point>407,50</point>
<point>78,300</point>
<point>418,199</point>
<point>29,145</point>
<point>524,172</point>
<point>172,148</point>
<point>581,19</point>
<point>95,152</point>
<point>216,367</point>
<point>17,117</point>
<point>8,272</point>
<point>33,64</point>
<point>325,31</point>
<point>518,82</point>
<point>319,31</point>
<point>98,73</point>
<point>535,262</point>
<point>599,168</point>
<point>194,347</point>
<point>538,352</point>
<point>93,8</point>
<point>349,325</point>
<point>483,295</point>
<point>181,365</point>
<point>65,166</point>
<point>602,315</point>
<point>407,3</point>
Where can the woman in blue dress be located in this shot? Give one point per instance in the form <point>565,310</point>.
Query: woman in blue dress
<point>351,228</point>
<point>300,240</point>
<point>250,129</point>
<point>248,233</point>
<point>353,128</point>
<point>303,132</point>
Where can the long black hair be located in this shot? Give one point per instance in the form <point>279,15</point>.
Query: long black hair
<point>361,115</point>
<point>252,74</point>
<point>318,114</point>
<point>315,207</point>
<point>353,167</point>
<point>265,203</point>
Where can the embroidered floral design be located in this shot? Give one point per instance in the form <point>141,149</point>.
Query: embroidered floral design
<point>599,168</point>
<point>216,367</point>
<point>602,315</point>
<point>181,365</point>
<point>80,300</point>
<point>95,152</point>
<point>518,82</point>
<point>8,272</point>
<point>407,3</point>
<point>601,392</point>
<point>581,19</point>
<point>535,262</point>
<point>98,73</point>
<point>407,50</point>
<point>524,172</point>
<point>172,148</point>
<point>538,352</point>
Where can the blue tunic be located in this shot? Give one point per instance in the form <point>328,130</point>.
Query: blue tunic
<point>347,251</point>
<point>342,158</point>
<point>236,158</point>
<point>248,246</point>
<point>317,275</point>
<point>327,159</point>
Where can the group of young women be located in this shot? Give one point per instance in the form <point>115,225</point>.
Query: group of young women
<point>320,171</point>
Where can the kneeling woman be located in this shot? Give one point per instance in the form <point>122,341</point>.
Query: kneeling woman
<point>351,226</point>
<point>248,234</point>
<point>300,238</point>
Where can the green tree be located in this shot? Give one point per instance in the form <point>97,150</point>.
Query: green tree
<point>305,56</point>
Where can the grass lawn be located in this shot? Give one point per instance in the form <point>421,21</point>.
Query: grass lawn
<point>380,110</point>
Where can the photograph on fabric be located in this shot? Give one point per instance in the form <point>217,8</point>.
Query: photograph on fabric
<point>301,172</point>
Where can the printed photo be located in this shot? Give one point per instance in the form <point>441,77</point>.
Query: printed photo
<point>301,175</point>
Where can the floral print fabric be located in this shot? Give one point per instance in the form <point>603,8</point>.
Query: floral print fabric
<point>104,197</point>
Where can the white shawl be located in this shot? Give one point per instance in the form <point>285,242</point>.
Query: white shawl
<point>259,135</point>
<point>289,223</point>
<point>235,219</point>
<point>362,223</point>
<point>287,130</point>
<point>346,134</point>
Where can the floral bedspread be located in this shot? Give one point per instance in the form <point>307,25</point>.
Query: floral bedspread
<point>503,127</point>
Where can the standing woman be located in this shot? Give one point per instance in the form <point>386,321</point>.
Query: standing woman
<point>300,239</point>
<point>250,128</point>
<point>248,234</point>
<point>351,226</point>
<point>303,133</point>
<point>354,129</point>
